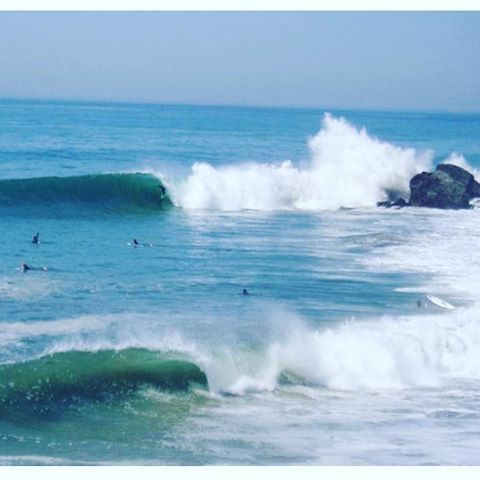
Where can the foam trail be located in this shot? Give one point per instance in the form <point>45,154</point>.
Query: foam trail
<point>23,289</point>
<point>348,168</point>
<point>448,263</point>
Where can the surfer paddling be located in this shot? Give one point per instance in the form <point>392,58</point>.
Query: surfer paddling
<point>136,243</point>
<point>25,268</point>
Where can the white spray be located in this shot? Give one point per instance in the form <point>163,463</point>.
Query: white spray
<point>348,168</point>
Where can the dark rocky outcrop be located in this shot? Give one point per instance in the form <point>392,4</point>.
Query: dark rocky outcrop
<point>399,202</point>
<point>448,186</point>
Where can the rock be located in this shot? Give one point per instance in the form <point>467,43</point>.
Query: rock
<point>400,202</point>
<point>448,187</point>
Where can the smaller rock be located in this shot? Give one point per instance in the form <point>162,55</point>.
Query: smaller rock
<point>399,202</point>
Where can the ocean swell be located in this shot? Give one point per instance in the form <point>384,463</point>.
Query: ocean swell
<point>48,384</point>
<point>107,192</point>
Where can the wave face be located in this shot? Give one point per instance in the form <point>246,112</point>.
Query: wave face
<point>54,381</point>
<point>348,168</point>
<point>114,191</point>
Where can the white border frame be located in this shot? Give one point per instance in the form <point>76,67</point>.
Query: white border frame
<point>239,5</point>
<point>221,472</point>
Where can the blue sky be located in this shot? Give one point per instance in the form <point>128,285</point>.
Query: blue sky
<point>318,59</point>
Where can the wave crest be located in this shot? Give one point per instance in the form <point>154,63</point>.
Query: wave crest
<point>348,168</point>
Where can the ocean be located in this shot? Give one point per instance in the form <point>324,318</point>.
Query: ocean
<point>118,353</point>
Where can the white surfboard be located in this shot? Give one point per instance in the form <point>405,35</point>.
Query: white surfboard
<point>440,303</point>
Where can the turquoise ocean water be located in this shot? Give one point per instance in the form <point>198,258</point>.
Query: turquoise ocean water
<point>112,353</point>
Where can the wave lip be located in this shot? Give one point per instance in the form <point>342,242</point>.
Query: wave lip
<point>49,383</point>
<point>111,191</point>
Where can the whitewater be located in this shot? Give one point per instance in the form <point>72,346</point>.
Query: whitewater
<point>151,354</point>
<point>347,168</point>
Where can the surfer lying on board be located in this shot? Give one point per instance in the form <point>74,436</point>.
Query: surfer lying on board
<point>25,268</point>
<point>136,243</point>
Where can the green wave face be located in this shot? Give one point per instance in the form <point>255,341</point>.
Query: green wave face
<point>50,383</point>
<point>108,192</point>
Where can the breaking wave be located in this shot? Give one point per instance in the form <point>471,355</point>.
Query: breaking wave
<point>427,350</point>
<point>389,353</point>
<point>106,192</point>
<point>348,168</point>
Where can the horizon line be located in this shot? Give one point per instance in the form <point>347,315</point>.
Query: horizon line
<point>159,103</point>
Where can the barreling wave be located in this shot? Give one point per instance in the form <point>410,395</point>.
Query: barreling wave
<point>50,383</point>
<point>425,350</point>
<point>108,192</point>
<point>347,168</point>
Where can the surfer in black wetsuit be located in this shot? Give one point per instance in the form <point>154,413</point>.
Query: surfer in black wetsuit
<point>135,242</point>
<point>35,238</point>
<point>245,292</point>
<point>25,268</point>
<point>163,191</point>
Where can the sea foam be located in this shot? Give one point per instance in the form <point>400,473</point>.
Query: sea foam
<point>347,168</point>
<point>389,353</point>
